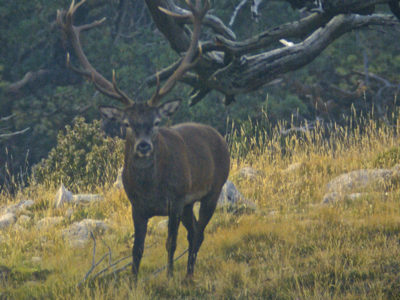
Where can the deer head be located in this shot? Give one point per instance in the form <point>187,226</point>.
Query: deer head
<point>141,121</point>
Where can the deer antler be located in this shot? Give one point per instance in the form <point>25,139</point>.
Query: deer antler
<point>197,14</point>
<point>72,34</point>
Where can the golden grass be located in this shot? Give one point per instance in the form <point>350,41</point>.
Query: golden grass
<point>292,247</point>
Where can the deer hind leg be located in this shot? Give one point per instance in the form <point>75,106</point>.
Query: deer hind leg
<point>190,223</point>
<point>140,224</point>
<point>174,218</point>
<point>207,208</point>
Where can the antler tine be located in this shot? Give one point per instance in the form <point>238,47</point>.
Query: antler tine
<point>72,34</point>
<point>119,92</point>
<point>154,99</point>
<point>73,8</point>
<point>197,15</point>
<point>190,5</point>
<point>76,70</point>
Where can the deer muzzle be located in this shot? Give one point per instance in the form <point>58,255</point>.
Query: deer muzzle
<point>144,148</point>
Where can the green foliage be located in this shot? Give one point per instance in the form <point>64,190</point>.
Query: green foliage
<point>83,158</point>
<point>286,108</point>
<point>388,158</point>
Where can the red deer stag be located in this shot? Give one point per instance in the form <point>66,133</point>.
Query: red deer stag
<point>166,170</point>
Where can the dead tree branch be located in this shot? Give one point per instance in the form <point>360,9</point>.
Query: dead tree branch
<point>8,135</point>
<point>251,72</point>
<point>111,265</point>
<point>231,68</point>
<point>236,12</point>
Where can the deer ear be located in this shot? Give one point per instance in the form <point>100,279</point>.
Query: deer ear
<point>112,113</point>
<point>167,109</point>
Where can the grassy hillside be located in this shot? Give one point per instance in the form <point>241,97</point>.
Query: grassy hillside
<point>291,247</point>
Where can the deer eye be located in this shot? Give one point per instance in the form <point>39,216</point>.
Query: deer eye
<point>157,122</point>
<point>125,124</point>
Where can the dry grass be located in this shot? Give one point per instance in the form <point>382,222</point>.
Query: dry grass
<point>292,247</point>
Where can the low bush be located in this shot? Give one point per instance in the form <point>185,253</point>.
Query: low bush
<point>83,159</point>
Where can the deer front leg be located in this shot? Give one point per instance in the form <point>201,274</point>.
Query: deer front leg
<point>174,218</point>
<point>140,224</point>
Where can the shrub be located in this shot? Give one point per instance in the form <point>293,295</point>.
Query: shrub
<point>83,158</point>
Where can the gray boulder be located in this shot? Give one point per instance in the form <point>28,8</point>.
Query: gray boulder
<point>86,198</point>
<point>20,206</point>
<point>229,194</point>
<point>248,173</point>
<point>64,196</point>
<point>351,184</point>
<point>49,222</point>
<point>78,233</point>
<point>7,220</point>
<point>231,199</point>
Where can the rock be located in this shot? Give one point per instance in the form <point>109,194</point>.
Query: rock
<point>350,184</point>
<point>62,196</point>
<point>359,179</point>
<point>15,208</point>
<point>65,196</point>
<point>86,198</point>
<point>49,222</point>
<point>118,182</point>
<point>330,198</point>
<point>248,173</point>
<point>229,194</point>
<point>233,200</point>
<point>78,234</point>
<point>7,220</point>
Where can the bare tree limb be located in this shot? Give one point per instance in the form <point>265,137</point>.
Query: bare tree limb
<point>376,77</point>
<point>8,135</point>
<point>94,263</point>
<point>209,20</point>
<point>34,80</point>
<point>102,273</point>
<point>297,29</point>
<point>254,9</point>
<point>229,66</point>
<point>250,73</point>
<point>236,12</point>
<point>3,119</point>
